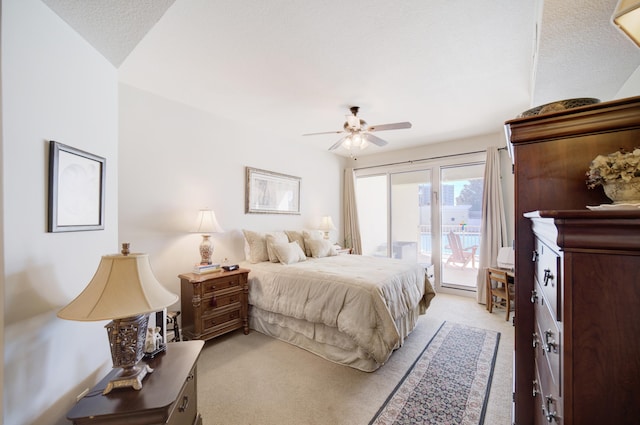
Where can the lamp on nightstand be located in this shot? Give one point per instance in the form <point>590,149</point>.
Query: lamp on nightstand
<point>205,225</point>
<point>326,225</point>
<point>123,290</point>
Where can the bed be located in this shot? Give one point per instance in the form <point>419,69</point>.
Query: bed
<point>350,309</point>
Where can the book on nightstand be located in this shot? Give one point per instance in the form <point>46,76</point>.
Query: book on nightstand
<point>206,268</point>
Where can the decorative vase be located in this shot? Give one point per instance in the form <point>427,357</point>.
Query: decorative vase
<point>623,192</point>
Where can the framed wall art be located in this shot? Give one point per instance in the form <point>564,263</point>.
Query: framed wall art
<point>76,189</point>
<point>271,193</point>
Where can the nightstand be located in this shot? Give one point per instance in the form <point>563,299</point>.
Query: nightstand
<point>214,303</point>
<point>343,251</point>
<point>168,394</point>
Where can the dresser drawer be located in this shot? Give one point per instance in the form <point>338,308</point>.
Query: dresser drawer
<point>211,305</point>
<point>548,350</point>
<point>214,285</point>
<point>548,403</point>
<point>547,273</point>
<point>185,408</point>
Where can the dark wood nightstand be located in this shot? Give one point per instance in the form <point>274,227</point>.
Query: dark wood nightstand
<point>214,303</point>
<point>168,395</point>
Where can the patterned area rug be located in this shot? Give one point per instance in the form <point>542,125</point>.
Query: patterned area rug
<point>449,383</point>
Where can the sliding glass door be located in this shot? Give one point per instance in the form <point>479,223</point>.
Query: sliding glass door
<point>427,213</point>
<point>460,213</point>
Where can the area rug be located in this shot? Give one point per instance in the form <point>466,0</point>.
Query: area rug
<point>449,383</point>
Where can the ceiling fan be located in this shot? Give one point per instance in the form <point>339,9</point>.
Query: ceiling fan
<point>358,133</point>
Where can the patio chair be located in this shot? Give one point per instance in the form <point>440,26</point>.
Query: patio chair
<point>460,256</point>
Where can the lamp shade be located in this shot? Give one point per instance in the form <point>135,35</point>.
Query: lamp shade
<point>326,224</point>
<point>123,286</point>
<point>207,222</point>
<point>627,18</point>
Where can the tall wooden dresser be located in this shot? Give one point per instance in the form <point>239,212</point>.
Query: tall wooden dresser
<point>551,154</point>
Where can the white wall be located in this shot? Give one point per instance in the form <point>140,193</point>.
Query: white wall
<point>54,87</point>
<point>473,144</point>
<point>175,160</point>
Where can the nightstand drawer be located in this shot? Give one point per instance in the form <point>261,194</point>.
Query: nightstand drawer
<point>211,305</point>
<point>223,319</point>
<point>185,408</point>
<point>214,285</point>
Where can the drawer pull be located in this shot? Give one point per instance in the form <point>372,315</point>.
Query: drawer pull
<point>535,340</point>
<point>534,296</point>
<point>535,256</point>
<point>546,409</point>
<point>547,276</point>
<point>214,302</point>
<point>185,403</point>
<point>535,388</point>
<point>549,342</point>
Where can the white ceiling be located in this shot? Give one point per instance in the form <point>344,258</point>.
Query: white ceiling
<point>454,68</point>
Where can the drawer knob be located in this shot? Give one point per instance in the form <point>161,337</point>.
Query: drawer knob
<point>214,302</point>
<point>534,296</point>
<point>535,340</point>
<point>546,409</point>
<point>535,256</point>
<point>547,276</point>
<point>185,403</point>
<point>535,388</point>
<point>549,342</point>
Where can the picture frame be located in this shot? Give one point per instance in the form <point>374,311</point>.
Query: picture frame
<point>76,189</point>
<point>268,192</point>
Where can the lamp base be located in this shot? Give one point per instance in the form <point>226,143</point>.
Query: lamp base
<point>130,377</point>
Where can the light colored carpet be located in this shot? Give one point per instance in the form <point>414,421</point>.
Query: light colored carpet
<point>257,380</point>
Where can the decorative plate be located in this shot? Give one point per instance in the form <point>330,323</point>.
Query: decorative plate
<point>613,207</point>
<point>560,105</point>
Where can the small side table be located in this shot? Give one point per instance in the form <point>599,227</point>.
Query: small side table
<point>214,303</point>
<point>343,251</point>
<point>168,394</point>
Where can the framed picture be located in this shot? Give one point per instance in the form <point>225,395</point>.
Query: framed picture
<point>76,189</point>
<point>271,193</point>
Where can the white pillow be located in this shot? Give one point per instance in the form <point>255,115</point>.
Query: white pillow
<point>322,248</point>
<point>271,238</point>
<point>308,237</point>
<point>257,244</point>
<point>289,252</point>
<point>295,236</point>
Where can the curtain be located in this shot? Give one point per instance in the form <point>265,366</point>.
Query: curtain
<point>351,224</point>
<point>493,226</point>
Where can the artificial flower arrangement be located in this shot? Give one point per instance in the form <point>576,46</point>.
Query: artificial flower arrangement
<point>622,165</point>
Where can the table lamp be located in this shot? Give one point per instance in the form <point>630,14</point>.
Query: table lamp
<point>205,225</point>
<point>326,225</point>
<point>123,290</point>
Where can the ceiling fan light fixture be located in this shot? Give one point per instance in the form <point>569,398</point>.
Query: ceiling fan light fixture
<point>347,142</point>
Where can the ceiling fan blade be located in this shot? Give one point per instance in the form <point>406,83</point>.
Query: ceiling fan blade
<point>325,132</point>
<point>338,143</point>
<point>374,139</point>
<point>394,126</point>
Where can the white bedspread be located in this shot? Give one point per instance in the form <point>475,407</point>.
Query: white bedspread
<point>362,297</point>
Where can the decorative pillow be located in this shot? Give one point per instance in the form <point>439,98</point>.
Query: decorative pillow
<point>289,252</point>
<point>308,237</point>
<point>257,244</point>
<point>271,238</point>
<point>295,236</point>
<point>321,248</point>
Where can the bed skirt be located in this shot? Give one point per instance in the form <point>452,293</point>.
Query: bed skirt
<point>325,341</point>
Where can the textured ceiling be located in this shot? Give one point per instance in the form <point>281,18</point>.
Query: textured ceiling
<point>454,68</point>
